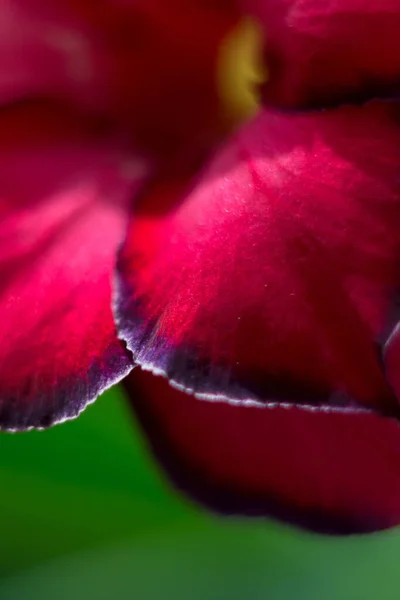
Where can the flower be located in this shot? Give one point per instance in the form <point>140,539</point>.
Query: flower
<point>263,285</point>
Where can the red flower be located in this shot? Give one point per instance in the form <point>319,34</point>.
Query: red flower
<point>264,287</point>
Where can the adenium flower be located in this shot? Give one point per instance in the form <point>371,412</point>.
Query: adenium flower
<point>263,286</point>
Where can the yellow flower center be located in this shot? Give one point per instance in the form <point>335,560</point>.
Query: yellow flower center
<point>240,71</point>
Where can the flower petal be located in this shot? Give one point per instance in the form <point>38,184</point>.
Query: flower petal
<point>63,208</point>
<point>272,277</point>
<point>330,472</point>
<point>322,53</point>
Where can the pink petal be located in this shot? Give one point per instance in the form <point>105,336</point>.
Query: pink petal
<point>328,471</point>
<point>272,277</point>
<point>64,193</point>
<point>320,53</point>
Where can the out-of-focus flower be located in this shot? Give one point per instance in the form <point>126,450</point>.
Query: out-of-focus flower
<point>263,286</point>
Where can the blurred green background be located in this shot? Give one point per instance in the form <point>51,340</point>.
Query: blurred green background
<point>85,513</point>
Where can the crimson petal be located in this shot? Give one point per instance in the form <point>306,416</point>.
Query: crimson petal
<point>321,53</point>
<point>63,209</point>
<point>273,278</point>
<point>330,472</point>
